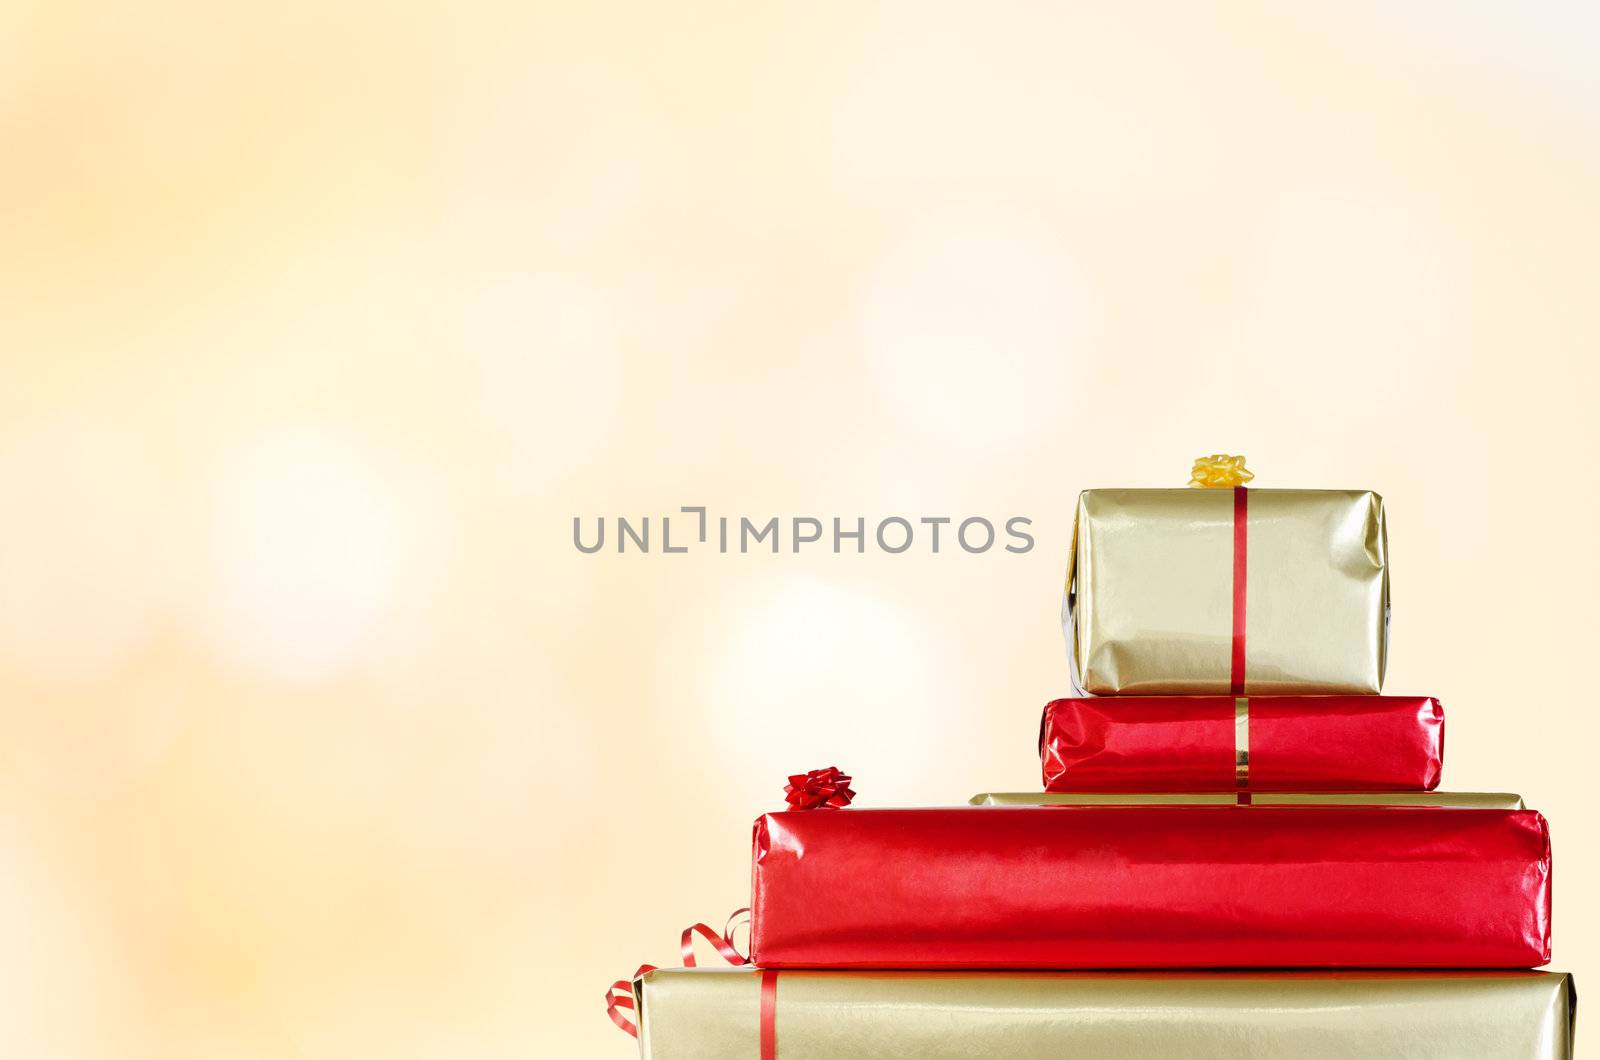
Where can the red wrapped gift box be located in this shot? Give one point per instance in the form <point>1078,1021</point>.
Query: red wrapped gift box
<point>1152,887</point>
<point>1223,743</point>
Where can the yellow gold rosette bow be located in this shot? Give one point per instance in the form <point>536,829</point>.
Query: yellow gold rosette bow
<point>1219,471</point>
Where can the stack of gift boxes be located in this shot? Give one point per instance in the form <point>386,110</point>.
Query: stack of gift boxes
<point>1239,851</point>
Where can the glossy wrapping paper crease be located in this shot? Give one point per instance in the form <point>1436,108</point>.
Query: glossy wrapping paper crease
<point>717,1015</point>
<point>1152,887</point>
<point>1470,800</point>
<point>1228,592</point>
<point>1221,743</point>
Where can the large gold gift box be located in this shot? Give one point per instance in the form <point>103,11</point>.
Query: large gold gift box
<point>1470,800</point>
<point>707,1014</point>
<point>1228,592</point>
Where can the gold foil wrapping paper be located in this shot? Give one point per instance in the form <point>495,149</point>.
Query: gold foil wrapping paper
<point>1151,590</point>
<point>712,1014</point>
<point>1470,800</point>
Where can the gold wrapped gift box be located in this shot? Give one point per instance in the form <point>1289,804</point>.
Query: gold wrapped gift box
<point>1471,800</point>
<point>1153,594</point>
<point>706,1014</point>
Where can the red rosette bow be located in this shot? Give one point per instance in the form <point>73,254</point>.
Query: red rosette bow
<point>820,789</point>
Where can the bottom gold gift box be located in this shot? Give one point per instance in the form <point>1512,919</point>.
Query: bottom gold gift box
<point>742,1013</point>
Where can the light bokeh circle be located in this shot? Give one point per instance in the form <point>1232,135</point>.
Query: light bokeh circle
<point>974,326</point>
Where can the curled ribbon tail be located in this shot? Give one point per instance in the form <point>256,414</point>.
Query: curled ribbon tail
<point>722,943</point>
<point>620,997</point>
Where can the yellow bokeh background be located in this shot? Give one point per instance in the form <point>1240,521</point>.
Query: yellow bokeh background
<point>319,323</point>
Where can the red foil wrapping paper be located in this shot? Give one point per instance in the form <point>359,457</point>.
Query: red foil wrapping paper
<point>1224,743</point>
<point>1071,887</point>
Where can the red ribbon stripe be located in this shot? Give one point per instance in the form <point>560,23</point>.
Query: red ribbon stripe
<point>769,1015</point>
<point>1241,563</point>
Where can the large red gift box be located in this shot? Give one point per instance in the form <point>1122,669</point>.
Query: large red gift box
<point>1152,887</point>
<point>1265,743</point>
